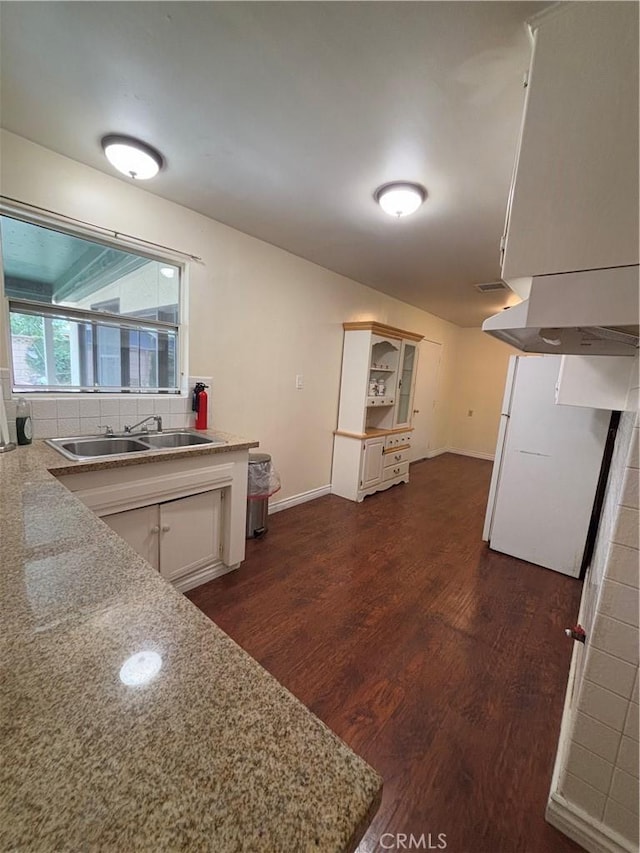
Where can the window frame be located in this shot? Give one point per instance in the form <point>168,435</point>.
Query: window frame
<point>94,234</point>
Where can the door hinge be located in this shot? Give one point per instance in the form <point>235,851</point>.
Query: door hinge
<point>525,79</point>
<point>220,550</point>
<point>221,494</point>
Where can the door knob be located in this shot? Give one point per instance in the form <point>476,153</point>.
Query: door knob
<point>165,528</point>
<point>416,411</point>
<point>155,528</point>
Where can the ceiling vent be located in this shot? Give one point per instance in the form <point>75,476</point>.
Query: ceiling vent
<point>491,286</point>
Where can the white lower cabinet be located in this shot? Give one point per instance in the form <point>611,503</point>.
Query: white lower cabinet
<point>372,458</point>
<point>140,528</point>
<point>362,466</point>
<point>177,537</point>
<point>185,516</point>
<point>190,534</point>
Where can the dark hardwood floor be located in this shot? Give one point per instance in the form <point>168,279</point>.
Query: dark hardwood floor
<point>439,661</point>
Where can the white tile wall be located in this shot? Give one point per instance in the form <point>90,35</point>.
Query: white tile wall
<point>601,771</point>
<point>622,820</point>
<point>591,768</point>
<point>597,737</point>
<point>615,637</point>
<point>628,756</point>
<point>624,790</point>
<point>610,672</point>
<point>623,565</point>
<point>619,602</point>
<point>583,795</point>
<point>90,414</point>
<point>602,704</point>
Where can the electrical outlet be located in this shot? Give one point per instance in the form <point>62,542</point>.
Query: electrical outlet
<point>299,382</point>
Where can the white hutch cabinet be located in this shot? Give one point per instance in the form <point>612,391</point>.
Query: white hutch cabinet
<point>373,438</point>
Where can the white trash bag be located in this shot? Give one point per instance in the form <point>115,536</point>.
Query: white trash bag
<point>264,480</point>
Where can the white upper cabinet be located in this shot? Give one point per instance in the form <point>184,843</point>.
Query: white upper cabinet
<point>574,200</point>
<point>378,376</point>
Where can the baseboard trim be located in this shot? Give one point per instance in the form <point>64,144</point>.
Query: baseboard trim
<point>430,454</point>
<point>203,576</point>
<point>303,497</point>
<point>477,454</point>
<point>591,834</point>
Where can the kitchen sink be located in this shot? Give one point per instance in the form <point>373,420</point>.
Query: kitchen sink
<point>94,447</point>
<point>91,447</point>
<point>160,440</point>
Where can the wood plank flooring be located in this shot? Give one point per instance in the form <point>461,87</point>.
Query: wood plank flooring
<point>439,661</point>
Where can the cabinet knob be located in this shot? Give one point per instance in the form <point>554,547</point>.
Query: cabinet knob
<point>398,457</point>
<point>155,528</point>
<point>165,528</point>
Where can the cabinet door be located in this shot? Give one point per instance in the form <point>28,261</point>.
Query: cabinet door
<point>140,528</point>
<point>189,534</point>
<point>371,471</point>
<point>406,383</point>
<point>574,200</point>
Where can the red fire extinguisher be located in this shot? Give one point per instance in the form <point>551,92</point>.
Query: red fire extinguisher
<point>200,405</point>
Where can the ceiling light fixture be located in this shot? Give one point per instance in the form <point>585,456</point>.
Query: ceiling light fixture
<point>400,198</point>
<point>133,158</point>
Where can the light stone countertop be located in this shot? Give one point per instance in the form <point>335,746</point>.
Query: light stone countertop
<point>212,754</point>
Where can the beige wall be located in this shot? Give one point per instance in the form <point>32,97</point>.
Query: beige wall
<point>479,370</point>
<point>258,315</point>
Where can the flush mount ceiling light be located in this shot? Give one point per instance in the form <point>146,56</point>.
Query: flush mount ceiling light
<point>133,158</point>
<point>400,198</point>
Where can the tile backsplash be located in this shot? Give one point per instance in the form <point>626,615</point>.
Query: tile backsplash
<point>61,416</point>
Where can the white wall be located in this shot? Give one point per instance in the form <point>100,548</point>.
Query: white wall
<point>257,314</point>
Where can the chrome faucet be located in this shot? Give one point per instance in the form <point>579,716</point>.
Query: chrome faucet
<point>156,418</point>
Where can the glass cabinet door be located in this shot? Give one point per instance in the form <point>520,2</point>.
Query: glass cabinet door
<point>406,375</point>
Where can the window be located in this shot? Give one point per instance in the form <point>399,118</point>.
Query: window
<point>85,316</point>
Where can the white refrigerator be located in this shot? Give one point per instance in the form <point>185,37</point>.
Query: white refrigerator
<point>546,470</point>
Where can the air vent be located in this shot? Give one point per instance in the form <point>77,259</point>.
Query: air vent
<point>491,286</point>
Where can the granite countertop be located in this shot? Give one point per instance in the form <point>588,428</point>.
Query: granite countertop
<point>211,753</point>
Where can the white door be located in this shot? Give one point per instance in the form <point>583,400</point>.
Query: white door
<point>550,467</point>
<point>140,528</point>
<point>371,462</point>
<point>189,534</point>
<point>425,400</point>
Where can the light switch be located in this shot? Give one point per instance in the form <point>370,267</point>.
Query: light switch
<point>299,381</point>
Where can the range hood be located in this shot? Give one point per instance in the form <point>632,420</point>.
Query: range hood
<point>594,312</point>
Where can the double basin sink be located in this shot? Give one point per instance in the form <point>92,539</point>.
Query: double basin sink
<point>93,447</point>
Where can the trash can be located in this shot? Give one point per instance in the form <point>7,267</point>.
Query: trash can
<point>263,481</point>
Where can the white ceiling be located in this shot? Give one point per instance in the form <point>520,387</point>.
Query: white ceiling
<point>281,119</point>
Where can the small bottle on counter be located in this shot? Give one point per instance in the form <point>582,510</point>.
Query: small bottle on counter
<point>24,427</point>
